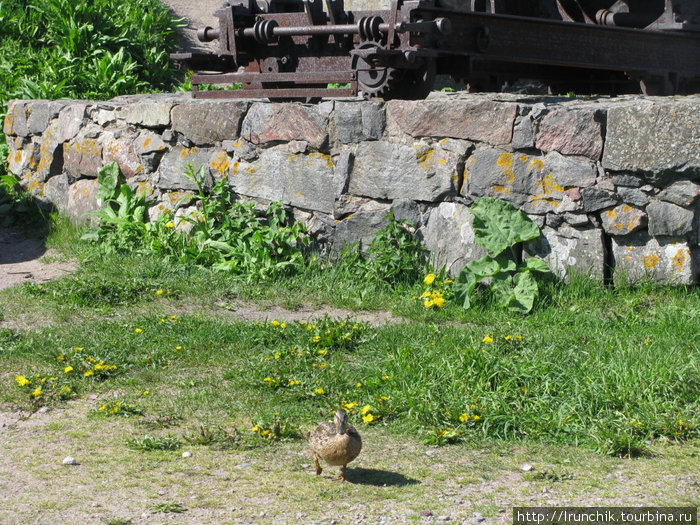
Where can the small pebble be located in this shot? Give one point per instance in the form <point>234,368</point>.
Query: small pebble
<point>95,504</point>
<point>431,452</point>
<point>162,492</point>
<point>245,464</point>
<point>526,467</point>
<point>425,513</point>
<point>444,518</point>
<point>187,454</point>
<point>70,460</point>
<point>44,410</point>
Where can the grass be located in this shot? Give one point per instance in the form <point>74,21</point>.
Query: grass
<point>144,360</point>
<point>627,377</point>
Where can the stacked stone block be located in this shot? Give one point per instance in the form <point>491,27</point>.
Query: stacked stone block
<point>612,183</point>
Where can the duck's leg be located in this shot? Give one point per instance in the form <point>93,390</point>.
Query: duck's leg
<point>318,465</point>
<point>342,474</point>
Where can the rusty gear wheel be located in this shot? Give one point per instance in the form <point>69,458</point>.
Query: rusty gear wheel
<point>373,80</point>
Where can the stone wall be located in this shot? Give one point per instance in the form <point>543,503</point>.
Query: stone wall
<point>613,183</point>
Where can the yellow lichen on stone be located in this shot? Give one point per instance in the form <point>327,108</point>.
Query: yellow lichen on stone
<point>627,208</point>
<point>146,142</point>
<point>250,170</point>
<point>220,165</point>
<point>174,197</point>
<point>509,175</point>
<point>536,164</point>
<point>188,151</point>
<point>650,261</point>
<point>501,189</point>
<point>523,158</point>
<point>611,214</point>
<point>505,160</point>
<point>680,258</point>
<point>549,184</point>
<point>234,170</point>
<point>425,158</point>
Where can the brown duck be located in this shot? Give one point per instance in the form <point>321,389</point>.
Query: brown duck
<point>336,443</point>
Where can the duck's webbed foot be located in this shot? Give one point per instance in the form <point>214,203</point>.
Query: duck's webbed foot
<point>342,474</point>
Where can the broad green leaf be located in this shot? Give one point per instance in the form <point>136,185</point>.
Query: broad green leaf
<point>499,225</point>
<point>502,289</point>
<point>525,292</point>
<point>109,179</point>
<point>535,265</point>
<point>463,287</point>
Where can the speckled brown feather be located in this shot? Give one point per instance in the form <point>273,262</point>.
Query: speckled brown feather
<point>334,448</point>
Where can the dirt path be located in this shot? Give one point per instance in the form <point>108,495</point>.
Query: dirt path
<point>23,258</point>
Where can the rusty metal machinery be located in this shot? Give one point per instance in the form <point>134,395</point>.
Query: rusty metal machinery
<point>305,49</point>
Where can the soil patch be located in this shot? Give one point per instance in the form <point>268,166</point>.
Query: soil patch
<point>24,258</point>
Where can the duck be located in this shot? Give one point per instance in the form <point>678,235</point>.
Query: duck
<point>336,443</point>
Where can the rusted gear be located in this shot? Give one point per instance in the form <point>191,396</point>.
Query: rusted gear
<point>372,79</point>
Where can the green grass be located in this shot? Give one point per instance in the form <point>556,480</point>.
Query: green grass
<point>610,370</point>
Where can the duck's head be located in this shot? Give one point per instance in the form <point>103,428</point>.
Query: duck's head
<point>341,421</point>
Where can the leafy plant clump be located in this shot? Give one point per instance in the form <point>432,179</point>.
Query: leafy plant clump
<point>72,48</point>
<point>224,233</point>
<point>395,256</point>
<point>500,228</point>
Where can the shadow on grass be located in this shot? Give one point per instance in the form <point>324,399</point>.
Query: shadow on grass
<point>376,477</point>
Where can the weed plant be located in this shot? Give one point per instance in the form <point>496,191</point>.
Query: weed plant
<point>75,49</point>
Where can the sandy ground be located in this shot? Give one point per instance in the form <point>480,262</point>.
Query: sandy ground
<point>24,258</point>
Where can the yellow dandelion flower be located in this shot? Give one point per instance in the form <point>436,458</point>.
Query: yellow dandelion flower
<point>367,418</point>
<point>178,348</point>
<point>382,398</point>
<point>256,428</point>
<point>429,279</point>
<point>275,323</point>
<point>283,325</point>
<point>89,373</point>
<point>159,292</point>
<point>488,339</point>
<point>171,224</point>
<point>102,408</point>
<point>385,378</point>
<point>425,294</point>
<point>476,417</point>
<point>316,339</point>
<point>67,369</point>
<point>428,303</point>
<point>365,409</point>
<point>447,281</point>
<point>350,406</point>
<point>146,392</point>
<point>439,301</point>
<point>464,417</point>
<point>277,356</point>
<point>22,381</point>
<point>78,349</point>
<point>293,382</point>
<point>323,365</point>
<point>265,433</point>
<point>359,384</point>
<point>61,358</point>
<point>323,352</point>
<point>319,391</point>
<point>37,392</point>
